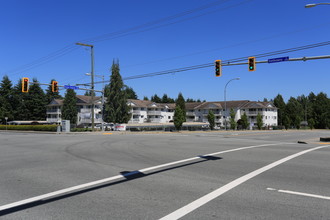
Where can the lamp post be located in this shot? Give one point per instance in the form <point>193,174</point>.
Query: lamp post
<point>92,78</point>
<point>226,100</point>
<point>315,4</point>
<point>100,76</point>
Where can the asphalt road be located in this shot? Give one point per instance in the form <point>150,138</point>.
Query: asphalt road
<point>207,175</point>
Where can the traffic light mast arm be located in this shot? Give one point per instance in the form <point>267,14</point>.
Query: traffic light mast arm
<point>291,59</point>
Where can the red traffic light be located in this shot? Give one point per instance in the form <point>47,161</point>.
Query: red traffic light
<point>25,84</point>
<point>54,86</point>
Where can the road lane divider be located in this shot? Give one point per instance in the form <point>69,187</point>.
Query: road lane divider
<point>109,180</point>
<point>179,213</point>
<point>300,193</point>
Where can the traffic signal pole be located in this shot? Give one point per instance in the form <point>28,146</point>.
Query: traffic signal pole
<point>290,59</point>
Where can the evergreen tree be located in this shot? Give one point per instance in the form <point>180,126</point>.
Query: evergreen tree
<point>165,99</point>
<point>116,108</point>
<point>259,121</point>
<point>321,108</point>
<point>179,118</point>
<point>180,101</point>
<point>211,119</point>
<point>145,98</point>
<point>130,93</point>
<point>36,102</point>
<point>155,98</point>
<point>7,102</point>
<point>233,123</point>
<point>20,110</point>
<point>69,108</point>
<point>50,95</point>
<point>280,105</point>
<point>294,111</point>
<point>244,120</point>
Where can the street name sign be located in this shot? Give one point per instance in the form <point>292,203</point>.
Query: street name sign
<point>279,59</point>
<point>70,87</point>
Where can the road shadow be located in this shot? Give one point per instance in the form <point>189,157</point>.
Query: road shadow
<point>127,175</point>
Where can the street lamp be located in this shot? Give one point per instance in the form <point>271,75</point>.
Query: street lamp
<point>226,100</point>
<point>92,78</point>
<point>102,77</point>
<point>315,4</point>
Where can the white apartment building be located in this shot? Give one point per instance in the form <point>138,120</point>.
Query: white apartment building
<point>150,112</point>
<point>84,107</point>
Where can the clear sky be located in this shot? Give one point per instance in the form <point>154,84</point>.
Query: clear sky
<point>38,40</point>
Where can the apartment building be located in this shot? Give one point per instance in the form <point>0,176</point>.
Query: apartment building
<point>84,108</point>
<point>150,112</point>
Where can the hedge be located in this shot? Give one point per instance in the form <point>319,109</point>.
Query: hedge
<point>29,127</point>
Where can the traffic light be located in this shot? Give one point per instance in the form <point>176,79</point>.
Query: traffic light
<point>54,86</point>
<point>218,71</point>
<point>252,63</point>
<point>25,84</point>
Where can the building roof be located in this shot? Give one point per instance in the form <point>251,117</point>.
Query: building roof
<point>81,100</point>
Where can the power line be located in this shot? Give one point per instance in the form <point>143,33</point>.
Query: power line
<point>200,66</point>
<point>69,48</point>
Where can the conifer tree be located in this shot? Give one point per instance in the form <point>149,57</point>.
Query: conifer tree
<point>180,101</point>
<point>36,102</point>
<point>211,119</point>
<point>116,108</point>
<point>179,118</point>
<point>50,95</point>
<point>69,108</point>
<point>6,103</point>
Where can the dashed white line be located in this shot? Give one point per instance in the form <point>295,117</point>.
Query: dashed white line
<point>216,193</point>
<point>300,193</point>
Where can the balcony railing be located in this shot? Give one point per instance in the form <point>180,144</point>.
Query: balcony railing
<point>154,113</point>
<point>53,111</point>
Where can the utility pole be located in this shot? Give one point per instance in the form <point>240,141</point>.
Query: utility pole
<point>92,79</point>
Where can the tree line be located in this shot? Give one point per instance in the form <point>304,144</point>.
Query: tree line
<point>312,111</point>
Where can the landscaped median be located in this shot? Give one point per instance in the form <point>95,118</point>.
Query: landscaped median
<point>29,127</point>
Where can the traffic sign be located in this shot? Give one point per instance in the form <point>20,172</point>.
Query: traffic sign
<point>279,59</point>
<point>70,87</point>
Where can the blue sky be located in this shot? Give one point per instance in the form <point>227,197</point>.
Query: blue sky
<point>33,30</point>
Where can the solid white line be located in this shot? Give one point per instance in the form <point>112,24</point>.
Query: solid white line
<point>216,193</point>
<point>304,194</point>
<point>110,179</point>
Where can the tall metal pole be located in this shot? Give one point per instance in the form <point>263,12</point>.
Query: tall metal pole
<point>225,93</point>
<point>92,79</point>
<point>92,86</point>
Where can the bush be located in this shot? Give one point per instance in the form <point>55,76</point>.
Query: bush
<point>29,127</point>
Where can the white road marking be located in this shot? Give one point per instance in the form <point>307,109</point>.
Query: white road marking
<point>300,194</point>
<point>111,179</point>
<point>216,193</point>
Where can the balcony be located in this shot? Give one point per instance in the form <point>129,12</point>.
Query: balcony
<point>53,111</point>
<point>136,112</point>
<point>154,112</point>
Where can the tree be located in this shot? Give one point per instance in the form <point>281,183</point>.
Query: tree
<point>311,123</point>
<point>145,98</point>
<point>280,105</point>
<point>20,109</point>
<point>116,108</point>
<point>36,102</point>
<point>50,95</point>
<point>130,93</point>
<point>259,121</point>
<point>180,101</point>
<point>233,123</point>
<point>294,111</point>
<point>69,108</point>
<point>286,122</point>
<point>211,119</point>
<point>166,99</point>
<point>155,98</point>
<point>7,102</point>
<point>179,118</point>
<point>244,120</point>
